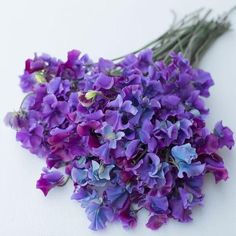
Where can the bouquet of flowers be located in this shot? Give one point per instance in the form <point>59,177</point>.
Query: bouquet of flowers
<point>130,132</point>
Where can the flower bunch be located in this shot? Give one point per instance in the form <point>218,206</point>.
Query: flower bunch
<point>131,135</point>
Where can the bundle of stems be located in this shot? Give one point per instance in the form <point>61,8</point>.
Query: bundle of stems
<point>192,36</point>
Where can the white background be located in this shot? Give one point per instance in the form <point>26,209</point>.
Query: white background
<point>107,28</point>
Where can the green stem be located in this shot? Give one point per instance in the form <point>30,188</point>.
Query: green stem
<point>192,36</point>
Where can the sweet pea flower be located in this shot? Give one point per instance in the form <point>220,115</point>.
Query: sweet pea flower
<point>49,180</point>
<point>183,156</point>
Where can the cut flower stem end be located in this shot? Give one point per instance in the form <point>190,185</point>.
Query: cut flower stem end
<point>191,36</point>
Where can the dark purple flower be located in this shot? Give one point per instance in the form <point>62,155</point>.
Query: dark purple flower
<point>128,218</point>
<point>224,134</point>
<point>215,165</point>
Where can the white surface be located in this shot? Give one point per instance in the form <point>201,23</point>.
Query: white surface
<point>101,28</point>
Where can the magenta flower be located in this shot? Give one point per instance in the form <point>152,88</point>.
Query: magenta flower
<point>49,180</point>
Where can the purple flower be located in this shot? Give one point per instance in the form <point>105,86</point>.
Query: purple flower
<point>215,165</point>
<point>104,65</point>
<point>98,215</point>
<point>27,82</point>
<point>178,211</point>
<point>224,134</point>
<point>131,148</point>
<point>118,118</point>
<point>100,174</point>
<point>104,82</point>
<point>152,171</point>
<point>103,152</point>
<point>58,86</point>
<point>54,111</point>
<point>85,196</point>
<point>170,101</point>
<point>156,204</point>
<point>221,137</point>
<point>111,138</point>
<point>165,132</point>
<point>130,135</point>
<point>128,218</point>
<point>79,176</point>
<point>145,59</point>
<point>30,139</point>
<point>117,196</point>
<point>31,133</point>
<point>49,180</point>
<point>156,221</point>
<point>203,82</point>
<point>13,119</point>
<point>211,144</point>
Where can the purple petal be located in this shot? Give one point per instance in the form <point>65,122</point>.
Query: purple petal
<point>224,134</point>
<point>131,148</point>
<point>49,180</point>
<point>104,81</point>
<point>117,196</point>
<point>170,101</point>
<point>179,212</point>
<point>53,85</point>
<point>145,132</point>
<point>105,65</point>
<point>156,221</point>
<point>103,152</point>
<point>98,215</point>
<point>215,165</point>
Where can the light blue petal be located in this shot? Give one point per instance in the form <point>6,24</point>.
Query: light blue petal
<point>98,215</point>
<point>184,153</point>
<point>108,131</point>
<point>193,169</point>
<point>95,166</point>
<point>105,174</point>
<point>79,176</point>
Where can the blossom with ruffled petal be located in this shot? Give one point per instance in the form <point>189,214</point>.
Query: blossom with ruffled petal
<point>130,135</point>
<point>184,155</point>
<point>98,215</point>
<point>49,180</point>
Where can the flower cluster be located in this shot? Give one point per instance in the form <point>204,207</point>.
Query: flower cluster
<point>131,135</point>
